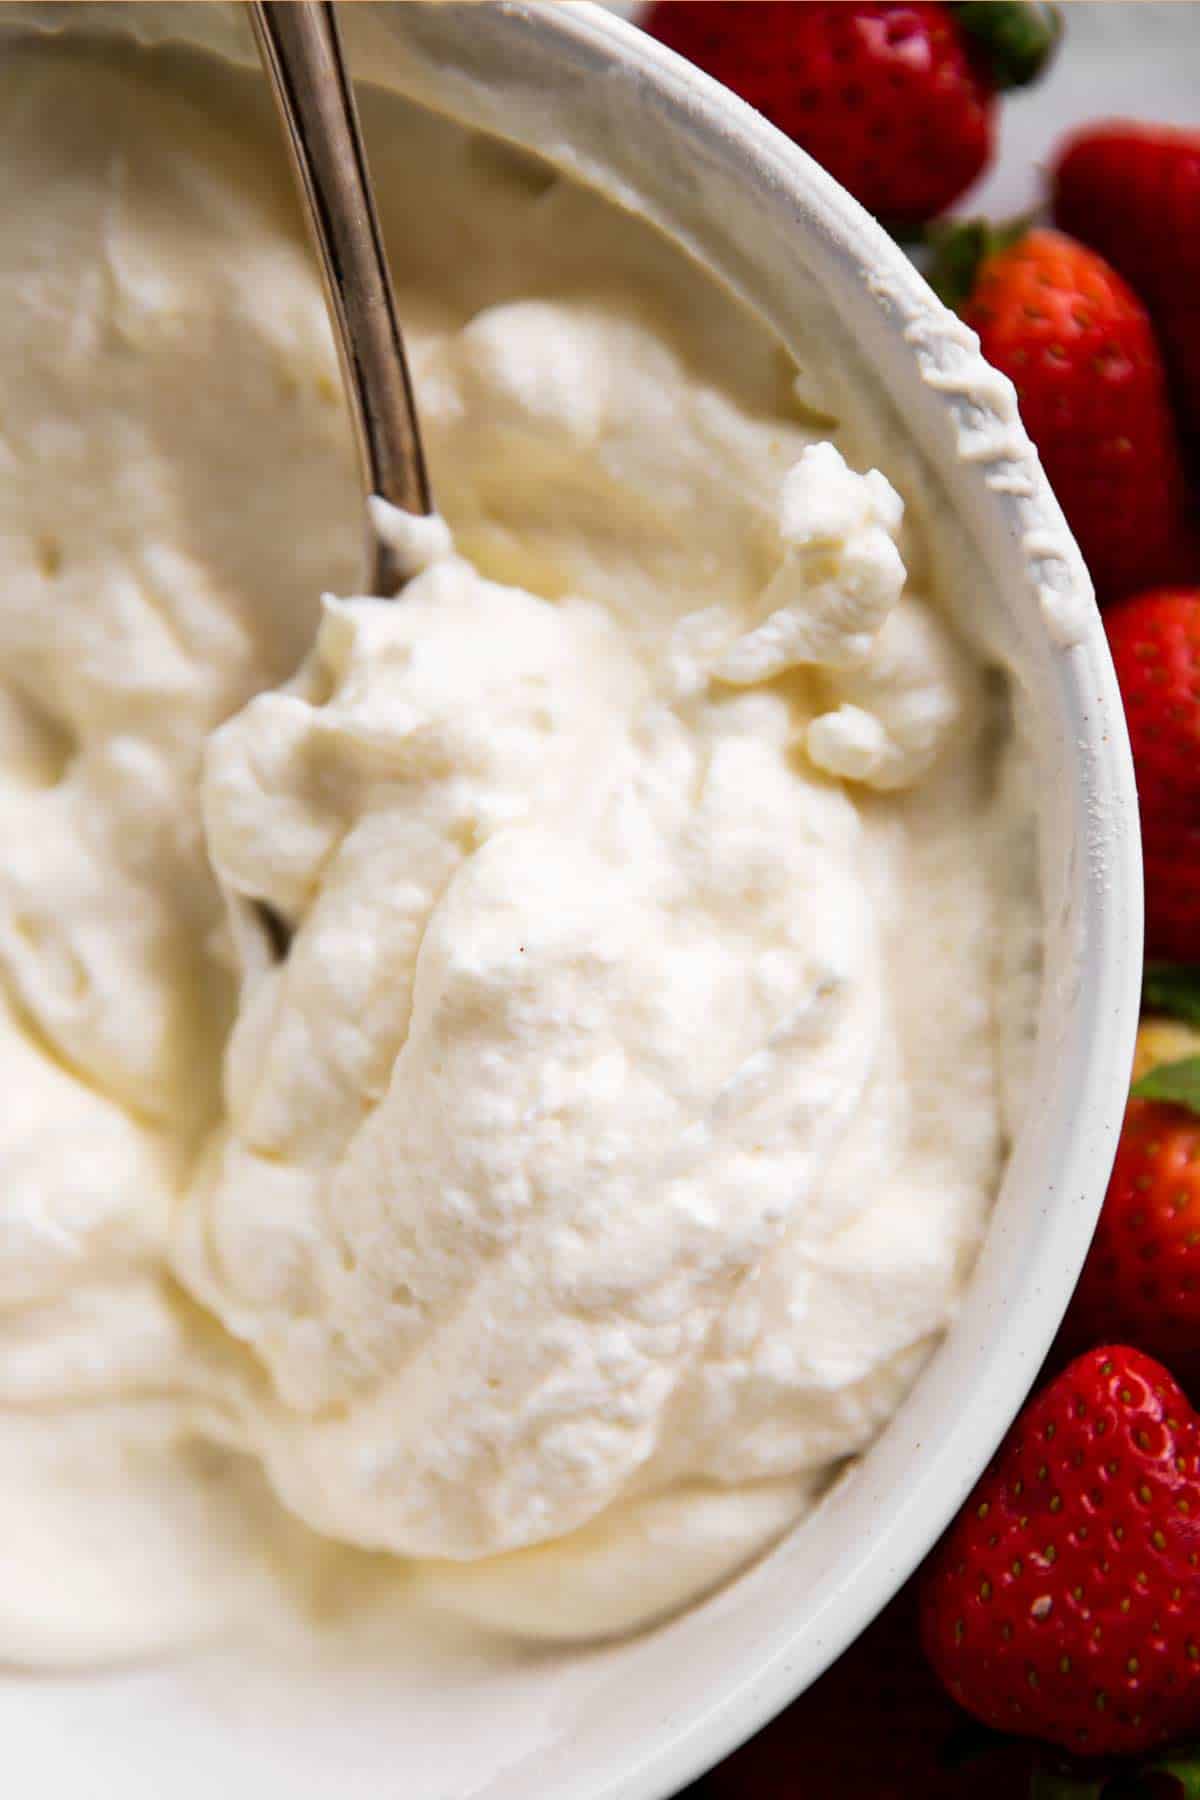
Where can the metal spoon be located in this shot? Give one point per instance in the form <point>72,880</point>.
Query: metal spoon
<point>302,54</point>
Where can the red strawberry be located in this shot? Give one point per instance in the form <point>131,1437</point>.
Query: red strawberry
<point>1064,1603</point>
<point>1155,642</point>
<point>896,101</point>
<point>1080,349</point>
<point>1171,868</point>
<point>1133,193</point>
<point>1142,1276</point>
<point>876,1724</point>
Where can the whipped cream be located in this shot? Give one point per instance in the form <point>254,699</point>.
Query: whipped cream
<point>586,992</point>
<point>606,1156</point>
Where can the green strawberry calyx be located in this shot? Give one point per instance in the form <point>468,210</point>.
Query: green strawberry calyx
<point>960,247</point>
<point>1176,1082</point>
<point>1172,988</point>
<point>1168,1775</point>
<point>1182,1766</point>
<point>1015,39</point>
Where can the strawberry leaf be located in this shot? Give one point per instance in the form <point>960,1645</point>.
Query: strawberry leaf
<point>1182,1766</point>
<point>1172,988</point>
<point>958,252</point>
<point>1016,38</point>
<point>1167,1775</point>
<point>960,247</point>
<point>1178,1082</point>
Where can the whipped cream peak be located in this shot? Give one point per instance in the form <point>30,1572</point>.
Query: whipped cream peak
<point>891,718</point>
<point>824,503</point>
<point>840,573</point>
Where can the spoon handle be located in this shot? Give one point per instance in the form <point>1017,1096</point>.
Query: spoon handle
<point>302,55</point>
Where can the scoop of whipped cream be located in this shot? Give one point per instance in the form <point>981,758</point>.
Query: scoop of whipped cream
<point>582,993</point>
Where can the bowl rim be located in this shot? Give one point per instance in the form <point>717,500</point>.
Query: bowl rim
<point>1097,1008</point>
<point>1097,1000</point>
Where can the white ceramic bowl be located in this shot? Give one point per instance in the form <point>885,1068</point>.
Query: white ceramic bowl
<point>637,1720</point>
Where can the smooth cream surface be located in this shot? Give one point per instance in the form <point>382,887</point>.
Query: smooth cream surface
<point>606,1156</point>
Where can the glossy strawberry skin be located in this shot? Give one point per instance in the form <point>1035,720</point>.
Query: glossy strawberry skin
<point>1079,347</point>
<point>1064,1603</point>
<point>1171,868</point>
<point>1142,1276</point>
<point>1132,192</point>
<point>1155,644</point>
<point>889,98</point>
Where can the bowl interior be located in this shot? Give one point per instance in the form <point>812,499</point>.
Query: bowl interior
<point>442,1715</point>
